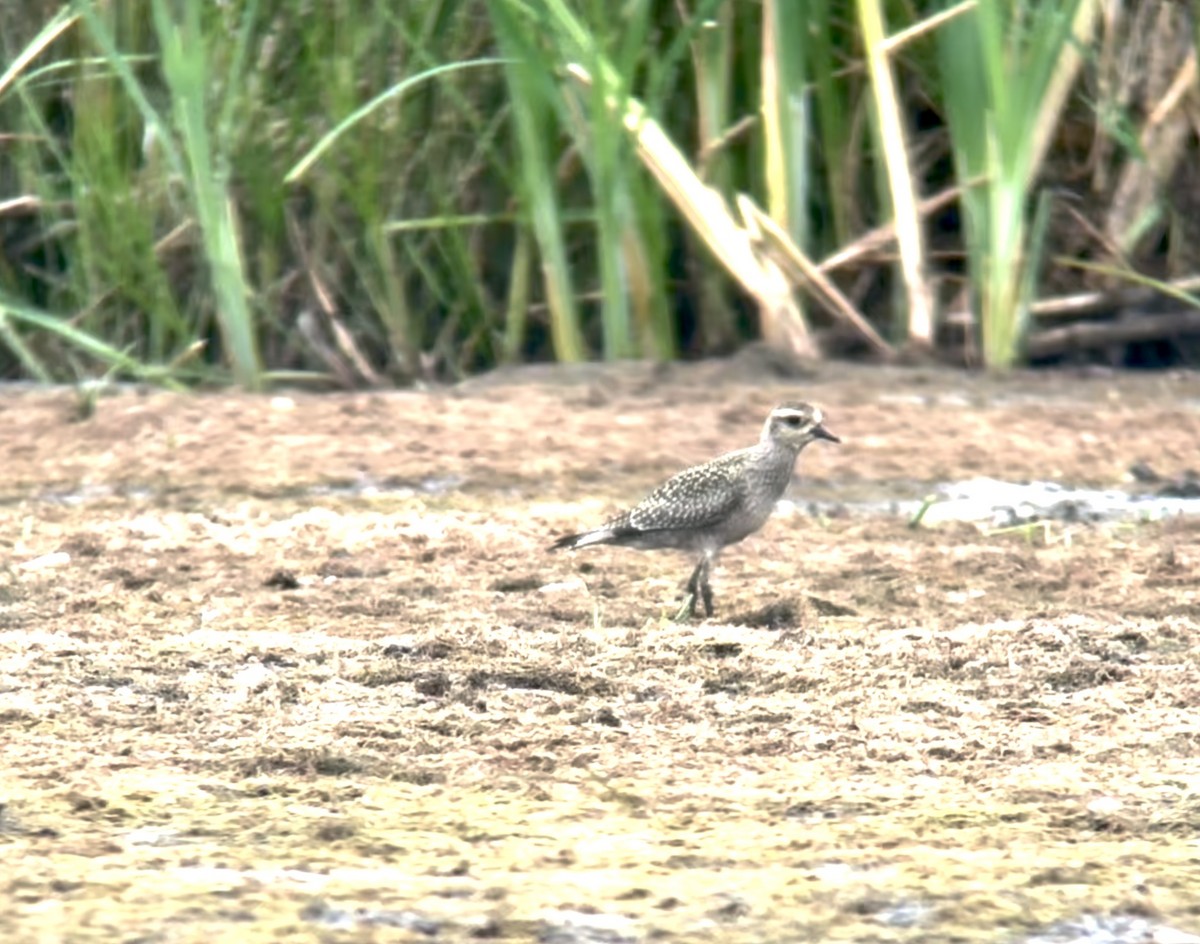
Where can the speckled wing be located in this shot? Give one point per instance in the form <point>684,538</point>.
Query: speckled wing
<point>696,498</point>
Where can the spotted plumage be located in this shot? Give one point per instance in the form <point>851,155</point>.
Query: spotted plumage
<point>708,507</point>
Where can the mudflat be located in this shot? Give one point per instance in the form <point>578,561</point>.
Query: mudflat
<point>301,667</point>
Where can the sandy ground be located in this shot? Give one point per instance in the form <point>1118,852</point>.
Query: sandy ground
<point>301,668</point>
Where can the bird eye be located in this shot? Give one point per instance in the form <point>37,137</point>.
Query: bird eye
<point>793,421</point>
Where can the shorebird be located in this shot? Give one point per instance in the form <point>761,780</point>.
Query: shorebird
<point>705,508</point>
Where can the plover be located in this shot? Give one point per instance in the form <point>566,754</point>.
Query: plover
<point>707,507</point>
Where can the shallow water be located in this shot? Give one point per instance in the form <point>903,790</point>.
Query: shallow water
<point>1007,504</point>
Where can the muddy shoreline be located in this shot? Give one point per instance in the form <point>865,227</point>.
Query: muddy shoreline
<point>299,666</point>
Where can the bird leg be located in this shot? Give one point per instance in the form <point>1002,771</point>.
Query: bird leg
<point>698,588</point>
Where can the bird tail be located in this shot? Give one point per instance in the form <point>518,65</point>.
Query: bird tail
<point>598,536</point>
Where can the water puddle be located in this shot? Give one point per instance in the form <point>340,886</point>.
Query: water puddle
<point>350,919</point>
<point>1110,929</point>
<point>366,486</point>
<point>1001,504</point>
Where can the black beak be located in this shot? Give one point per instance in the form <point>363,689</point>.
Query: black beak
<point>820,432</point>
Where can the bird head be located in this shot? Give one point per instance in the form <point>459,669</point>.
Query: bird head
<point>795,425</point>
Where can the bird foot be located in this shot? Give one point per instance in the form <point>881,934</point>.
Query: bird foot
<point>688,610</point>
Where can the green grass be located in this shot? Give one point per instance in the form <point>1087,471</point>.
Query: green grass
<point>999,64</point>
<point>384,192</point>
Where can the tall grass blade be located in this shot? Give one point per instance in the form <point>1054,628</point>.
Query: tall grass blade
<point>833,107</point>
<point>784,132</point>
<point>61,328</point>
<point>603,144</point>
<point>737,245</point>
<point>156,125</point>
<point>59,24</point>
<point>712,56</point>
<point>532,95</point>
<point>186,67</point>
<point>14,342</point>
<point>327,141</point>
<point>1006,70</point>
<point>518,296</point>
<point>899,175</point>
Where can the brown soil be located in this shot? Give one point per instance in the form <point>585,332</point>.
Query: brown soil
<point>248,696</point>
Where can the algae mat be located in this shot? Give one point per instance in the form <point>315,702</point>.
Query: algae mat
<point>300,668</point>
